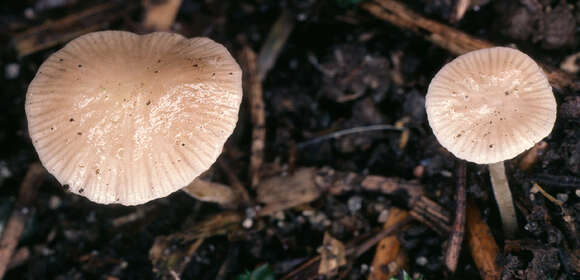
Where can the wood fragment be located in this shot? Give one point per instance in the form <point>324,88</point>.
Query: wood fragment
<point>456,239</point>
<point>170,260</point>
<point>59,31</point>
<point>253,89</point>
<point>332,256</point>
<point>389,257</point>
<point>307,184</point>
<point>140,213</point>
<point>566,215</point>
<point>482,245</point>
<point>308,270</point>
<point>451,39</point>
<point>283,192</point>
<point>20,214</point>
<point>160,15</point>
<point>211,192</point>
<point>391,186</point>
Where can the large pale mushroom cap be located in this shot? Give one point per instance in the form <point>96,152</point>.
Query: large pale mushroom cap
<point>490,105</point>
<point>123,118</point>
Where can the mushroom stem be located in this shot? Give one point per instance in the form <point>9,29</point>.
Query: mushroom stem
<point>503,197</point>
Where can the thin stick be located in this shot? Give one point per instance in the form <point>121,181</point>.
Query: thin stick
<point>253,90</point>
<point>451,39</point>
<point>20,213</point>
<point>347,131</point>
<point>308,269</point>
<point>274,43</point>
<point>237,186</point>
<point>456,239</point>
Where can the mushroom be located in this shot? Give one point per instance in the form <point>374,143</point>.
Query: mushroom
<point>122,118</point>
<point>488,106</point>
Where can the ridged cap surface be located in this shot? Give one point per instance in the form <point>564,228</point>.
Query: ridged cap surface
<point>490,105</point>
<point>124,118</point>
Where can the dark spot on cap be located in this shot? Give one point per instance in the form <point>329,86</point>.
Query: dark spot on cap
<point>98,171</point>
<point>458,135</point>
<point>65,187</point>
<point>148,102</point>
<point>212,74</point>
<point>52,128</point>
<point>182,144</point>
<point>79,133</point>
<point>81,190</point>
<point>231,73</point>
<point>159,61</point>
<point>491,146</point>
<point>156,71</point>
<point>80,65</point>
<point>71,120</point>
<point>60,59</point>
<point>506,93</point>
<point>195,65</point>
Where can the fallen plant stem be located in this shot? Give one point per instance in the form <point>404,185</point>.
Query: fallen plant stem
<point>348,131</point>
<point>482,245</point>
<point>456,239</point>
<point>20,214</point>
<point>309,270</point>
<point>451,39</point>
<point>253,89</point>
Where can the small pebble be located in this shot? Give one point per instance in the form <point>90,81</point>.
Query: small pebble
<point>54,202</point>
<point>422,261</point>
<point>384,216</point>
<point>11,71</point>
<point>562,197</point>
<point>355,203</point>
<point>247,223</point>
<point>364,268</point>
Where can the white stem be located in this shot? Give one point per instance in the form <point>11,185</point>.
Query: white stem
<point>503,197</point>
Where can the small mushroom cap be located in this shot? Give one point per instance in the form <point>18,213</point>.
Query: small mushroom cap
<point>490,105</point>
<point>123,118</point>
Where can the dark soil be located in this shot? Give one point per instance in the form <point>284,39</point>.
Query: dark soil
<point>380,75</point>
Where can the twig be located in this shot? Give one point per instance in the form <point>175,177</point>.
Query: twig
<point>484,249</point>
<point>237,186</point>
<point>340,133</point>
<point>274,43</point>
<point>22,209</point>
<point>253,89</point>
<point>52,33</point>
<point>558,181</point>
<point>451,39</point>
<point>456,239</point>
<point>566,216</point>
<point>308,270</point>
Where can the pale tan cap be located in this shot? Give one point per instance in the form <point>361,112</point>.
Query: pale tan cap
<point>123,118</point>
<point>490,105</point>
